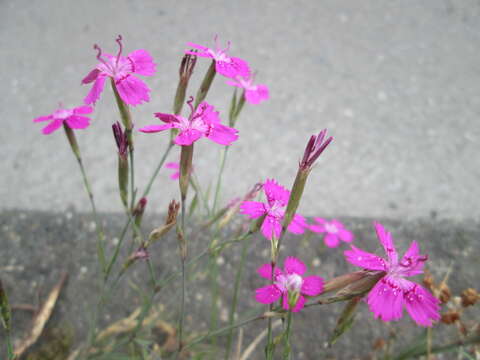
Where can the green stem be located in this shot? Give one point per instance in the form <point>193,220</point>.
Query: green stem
<point>157,169</point>
<point>114,257</point>
<point>98,226</point>
<point>214,295</point>
<point>288,349</point>
<point>132,179</point>
<point>182,260</point>
<point>236,288</point>
<point>10,353</point>
<point>222,330</point>
<point>223,158</point>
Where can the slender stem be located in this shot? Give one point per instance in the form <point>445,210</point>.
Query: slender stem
<point>182,260</point>
<point>196,186</point>
<point>157,169</point>
<point>98,226</point>
<point>10,353</point>
<point>214,295</point>
<point>236,288</point>
<point>117,249</point>
<point>222,330</point>
<point>288,349</point>
<point>223,158</point>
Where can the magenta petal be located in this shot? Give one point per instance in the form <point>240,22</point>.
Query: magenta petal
<point>271,225</point>
<point>331,240</point>
<point>167,118</point>
<point>172,165</point>
<point>142,62</point>
<point>43,118</point>
<point>387,241</point>
<point>265,271</point>
<point>54,125</point>
<point>233,68</point>
<point>385,300</point>
<point>364,259</point>
<point>78,122</point>
<point>298,224</point>
<point>188,137</point>
<point>254,209</point>
<point>317,228</point>
<point>422,306</point>
<point>294,265</point>
<point>155,128</point>
<point>132,90</point>
<point>83,110</point>
<point>222,134</point>
<point>267,294</point>
<point>92,76</point>
<point>208,113</point>
<point>258,95</point>
<point>275,192</point>
<point>95,91</point>
<point>312,285</point>
<point>345,235</point>
<point>412,262</point>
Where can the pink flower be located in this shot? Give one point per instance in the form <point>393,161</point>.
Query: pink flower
<point>176,167</point>
<point>254,94</point>
<point>132,90</point>
<point>289,284</point>
<point>203,122</point>
<point>225,65</point>
<point>72,117</point>
<point>274,210</point>
<point>335,231</point>
<point>393,291</point>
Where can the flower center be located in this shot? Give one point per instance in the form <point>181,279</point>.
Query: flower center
<point>331,228</point>
<point>289,282</point>
<point>62,113</point>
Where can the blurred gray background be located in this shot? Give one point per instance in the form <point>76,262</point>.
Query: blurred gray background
<point>395,82</point>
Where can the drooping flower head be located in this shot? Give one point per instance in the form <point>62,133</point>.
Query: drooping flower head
<point>224,64</point>
<point>288,284</point>
<point>203,122</point>
<point>254,94</point>
<point>72,117</point>
<point>334,231</point>
<point>274,211</point>
<point>121,69</point>
<point>388,297</point>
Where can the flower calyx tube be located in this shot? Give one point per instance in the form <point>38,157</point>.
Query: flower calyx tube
<point>185,72</point>
<point>121,140</point>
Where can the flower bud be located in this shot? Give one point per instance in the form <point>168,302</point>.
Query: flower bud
<point>444,293</point>
<point>206,83</point>
<point>450,317</point>
<point>186,69</point>
<point>122,146</point>
<point>170,221</point>
<point>139,210</point>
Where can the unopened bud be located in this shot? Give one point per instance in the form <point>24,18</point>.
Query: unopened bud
<point>450,317</point>
<point>363,285</point>
<point>139,210</point>
<point>186,69</point>
<point>206,83</point>
<point>140,254</point>
<point>469,297</point>
<point>170,221</point>
<point>314,149</point>
<point>428,281</point>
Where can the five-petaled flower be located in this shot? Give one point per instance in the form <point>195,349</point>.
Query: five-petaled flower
<point>288,284</point>
<point>203,122</point>
<point>120,69</point>
<point>393,291</point>
<point>274,211</point>
<point>254,94</point>
<point>335,231</point>
<point>72,117</point>
<point>225,65</point>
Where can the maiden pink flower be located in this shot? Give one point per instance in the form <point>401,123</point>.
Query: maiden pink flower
<point>254,94</point>
<point>132,90</point>
<point>335,231</point>
<point>274,211</point>
<point>72,117</point>
<point>203,122</point>
<point>388,297</point>
<point>288,284</point>
<point>225,65</point>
